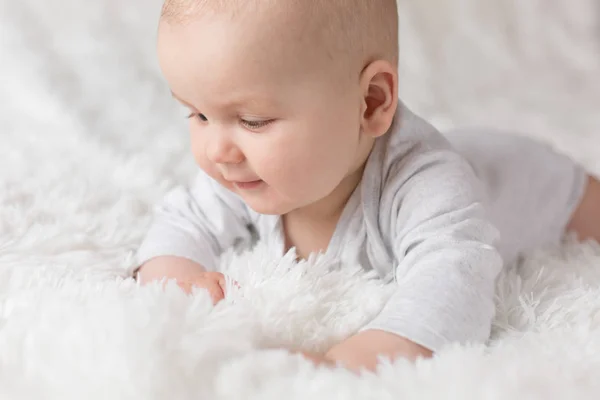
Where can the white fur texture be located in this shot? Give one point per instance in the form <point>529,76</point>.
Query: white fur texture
<point>90,140</point>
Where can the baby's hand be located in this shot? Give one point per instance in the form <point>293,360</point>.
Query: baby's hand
<point>214,282</point>
<point>317,359</point>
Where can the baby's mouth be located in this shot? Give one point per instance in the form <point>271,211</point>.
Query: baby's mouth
<point>249,185</point>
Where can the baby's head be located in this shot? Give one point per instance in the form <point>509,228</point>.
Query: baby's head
<point>286,96</point>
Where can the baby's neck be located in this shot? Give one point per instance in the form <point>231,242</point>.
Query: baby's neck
<point>311,228</point>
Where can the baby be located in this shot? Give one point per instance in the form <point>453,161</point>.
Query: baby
<point>302,141</point>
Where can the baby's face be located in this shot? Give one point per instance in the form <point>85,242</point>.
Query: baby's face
<point>269,121</point>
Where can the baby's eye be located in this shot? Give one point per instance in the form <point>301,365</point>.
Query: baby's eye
<point>200,116</point>
<point>256,124</point>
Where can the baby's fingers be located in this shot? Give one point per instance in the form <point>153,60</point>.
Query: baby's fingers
<point>187,286</point>
<point>216,291</point>
<point>223,283</point>
<point>212,287</point>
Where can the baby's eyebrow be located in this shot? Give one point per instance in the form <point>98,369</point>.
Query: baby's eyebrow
<point>180,100</point>
<point>247,100</point>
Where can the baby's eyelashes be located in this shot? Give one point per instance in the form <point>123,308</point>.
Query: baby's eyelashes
<point>256,124</point>
<point>200,116</point>
<point>247,123</point>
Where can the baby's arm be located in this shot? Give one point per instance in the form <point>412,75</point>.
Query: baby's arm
<point>190,230</point>
<point>188,275</point>
<point>447,265</point>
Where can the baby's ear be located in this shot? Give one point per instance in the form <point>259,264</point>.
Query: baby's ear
<point>379,85</point>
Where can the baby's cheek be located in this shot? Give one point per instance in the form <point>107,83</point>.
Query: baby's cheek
<point>303,182</point>
<point>198,147</point>
<point>202,161</point>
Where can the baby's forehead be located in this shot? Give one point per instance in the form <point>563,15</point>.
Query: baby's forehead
<point>240,67</point>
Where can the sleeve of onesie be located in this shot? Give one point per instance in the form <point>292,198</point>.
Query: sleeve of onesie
<point>444,246</point>
<point>197,223</point>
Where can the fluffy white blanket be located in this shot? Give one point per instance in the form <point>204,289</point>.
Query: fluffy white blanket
<point>90,141</point>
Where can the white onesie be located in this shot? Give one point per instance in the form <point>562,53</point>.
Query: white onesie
<point>425,215</point>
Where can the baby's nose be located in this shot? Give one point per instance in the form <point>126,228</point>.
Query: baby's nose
<point>222,150</point>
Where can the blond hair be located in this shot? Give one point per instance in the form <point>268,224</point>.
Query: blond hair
<point>361,29</point>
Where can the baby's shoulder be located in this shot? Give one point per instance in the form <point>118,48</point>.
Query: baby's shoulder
<point>414,147</point>
<point>415,160</point>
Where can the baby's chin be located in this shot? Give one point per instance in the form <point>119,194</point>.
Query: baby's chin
<point>267,206</point>
<point>266,202</point>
